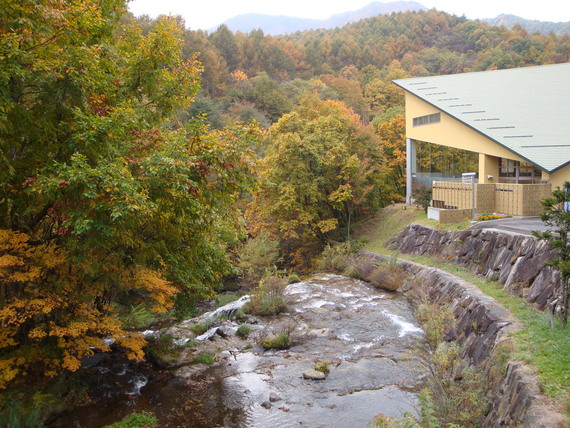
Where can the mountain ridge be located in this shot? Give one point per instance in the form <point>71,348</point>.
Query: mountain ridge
<point>530,25</point>
<point>281,24</point>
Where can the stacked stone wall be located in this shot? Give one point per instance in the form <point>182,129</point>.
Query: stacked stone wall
<point>482,324</point>
<point>518,262</point>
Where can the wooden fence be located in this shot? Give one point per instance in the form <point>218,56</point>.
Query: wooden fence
<point>510,199</point>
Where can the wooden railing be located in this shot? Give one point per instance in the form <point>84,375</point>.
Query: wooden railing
<point>511,199</point>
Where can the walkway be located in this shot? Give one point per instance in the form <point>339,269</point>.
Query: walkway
<point>521,225</point>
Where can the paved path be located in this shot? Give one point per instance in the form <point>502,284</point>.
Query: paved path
<point>524,225</point>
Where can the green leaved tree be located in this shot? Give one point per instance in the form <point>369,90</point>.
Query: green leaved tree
<point>557,215</point>
<point>106,202</point>
<point>323,168</point>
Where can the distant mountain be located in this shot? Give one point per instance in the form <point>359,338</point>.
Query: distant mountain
<point>271,24</point>
<point>532,26</point>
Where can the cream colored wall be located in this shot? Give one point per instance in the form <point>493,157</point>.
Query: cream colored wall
<point>449,132</point>
<point>559,177</point>
<point>488,165</point>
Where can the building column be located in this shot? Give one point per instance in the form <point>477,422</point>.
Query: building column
<point>410,167</point>
<point>488,169</point>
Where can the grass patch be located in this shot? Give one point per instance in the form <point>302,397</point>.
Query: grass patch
<point>136,420</point>
<point>545,349</point>
<point>281,341</point>
<point>225,298</point>
<point>322,366</point>
<point>374,232</point>
<point>243,331</point>
<point>200,328</point>
<point>542,348</point>
<point>204,358</point>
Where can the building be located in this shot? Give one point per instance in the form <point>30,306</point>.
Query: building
<point>516,121</point>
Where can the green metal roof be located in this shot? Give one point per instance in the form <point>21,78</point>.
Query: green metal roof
<point>526,110</point>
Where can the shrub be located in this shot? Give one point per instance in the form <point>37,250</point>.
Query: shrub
<point>336,258</point>
<point>137,420</point>
<point>163,352</point>
<point>422,197</point>
<point>487,217</point>
<point>21,411</point>
<point>134,317</point>
<point>243,331</point>
<point>388,276</point>
<point>185,306</point>
<point>383,421</point>
<point>257,259</point>
<point>351,271</point>
<point>268,298</point>
<point>434,320</point>
<point>359,267</point>
<point>293,278</point>
<point>456,392</point>
<point>281,341</point>
<point>266,305</point>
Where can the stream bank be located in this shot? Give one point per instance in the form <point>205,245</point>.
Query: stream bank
<point>482,327</point>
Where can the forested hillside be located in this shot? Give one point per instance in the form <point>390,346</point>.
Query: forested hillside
<point>262,76</point>
<point>132,176</point>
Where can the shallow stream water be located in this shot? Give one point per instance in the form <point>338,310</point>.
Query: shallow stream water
<point>365,335</point>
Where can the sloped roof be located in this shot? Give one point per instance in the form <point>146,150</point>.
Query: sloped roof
<point>526,110</point>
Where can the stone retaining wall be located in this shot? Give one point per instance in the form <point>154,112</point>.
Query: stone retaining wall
<point>481,325</point>
<point>516,261</point>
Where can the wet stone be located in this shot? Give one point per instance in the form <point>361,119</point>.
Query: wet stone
<point>273,397</point>
<point>313,374</point>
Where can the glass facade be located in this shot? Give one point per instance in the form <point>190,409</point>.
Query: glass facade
<point>511,171</point>
<point>440,163</point>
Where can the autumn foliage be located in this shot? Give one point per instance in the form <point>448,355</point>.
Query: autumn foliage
<point>49,318</point>
<point>323,169</point>
<point>107,201</point>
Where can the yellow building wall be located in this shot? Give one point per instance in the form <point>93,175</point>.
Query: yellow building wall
<point>449,132</point>
<point>559,177</point>
<point>488,169</point>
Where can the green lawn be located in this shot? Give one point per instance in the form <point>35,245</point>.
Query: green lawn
<point>542,348</point>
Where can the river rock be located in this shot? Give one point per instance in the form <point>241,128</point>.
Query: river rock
<point>266,404</point>
<point>313,374</point>
<point>273,397</point>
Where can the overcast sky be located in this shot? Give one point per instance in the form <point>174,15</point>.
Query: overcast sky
<point>207,14</point>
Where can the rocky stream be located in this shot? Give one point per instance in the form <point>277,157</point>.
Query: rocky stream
<point>366,337</point>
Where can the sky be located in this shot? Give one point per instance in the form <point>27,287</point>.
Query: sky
<point>208,14</point>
